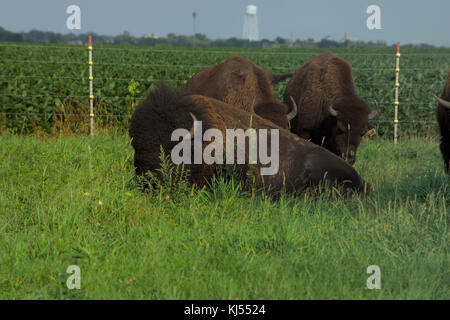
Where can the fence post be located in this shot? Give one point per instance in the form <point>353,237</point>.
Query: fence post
<point>397,84</point>
<point>91,88</point>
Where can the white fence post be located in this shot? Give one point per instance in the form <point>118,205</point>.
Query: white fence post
<point>397,84</point>
<point>91,88</point>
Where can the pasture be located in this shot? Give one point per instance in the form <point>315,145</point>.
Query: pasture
<point>69,199</point>
<point>73,200</point>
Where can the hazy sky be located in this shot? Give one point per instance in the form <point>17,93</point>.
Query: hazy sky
<point>401,20</point>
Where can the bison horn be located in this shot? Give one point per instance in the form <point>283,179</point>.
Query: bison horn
<point>191,133</point>
<point>373,114</point>
<point>442,101</point>
<point>332,110</point>
<point>252,107</point>
<point>294,110</point>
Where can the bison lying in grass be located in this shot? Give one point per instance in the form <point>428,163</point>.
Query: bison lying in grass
<point>301,163</point>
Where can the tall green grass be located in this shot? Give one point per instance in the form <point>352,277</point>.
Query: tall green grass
<point>74,200</point>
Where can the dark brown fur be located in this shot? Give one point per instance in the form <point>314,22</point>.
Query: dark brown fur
<point>324,80</point>
<point>237,81</point>
<point>443,117</point>
<point>301,163</point>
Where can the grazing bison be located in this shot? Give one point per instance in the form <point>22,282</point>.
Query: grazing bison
<point>443,117</point>
<point>241,83</point>
<point>330,113</point>
<point>300,163</point>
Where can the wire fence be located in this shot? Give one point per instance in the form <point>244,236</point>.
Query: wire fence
<point>150,65</point>
<point>194,50</point>
<point>23,61</point>
<point>143,98</point>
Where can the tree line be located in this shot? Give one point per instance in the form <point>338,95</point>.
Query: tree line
<point>197,40</point>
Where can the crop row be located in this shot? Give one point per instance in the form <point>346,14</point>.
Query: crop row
<point>41,84</point>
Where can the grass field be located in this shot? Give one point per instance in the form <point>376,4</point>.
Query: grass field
<point>73,200</point>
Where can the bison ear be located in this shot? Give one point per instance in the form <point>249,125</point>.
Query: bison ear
<point>331,110</point>
<point>442,101</point>
<point>373,114</point>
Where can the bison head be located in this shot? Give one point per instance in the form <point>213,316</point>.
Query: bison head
<point>274,111</point>
<point>347,123</point>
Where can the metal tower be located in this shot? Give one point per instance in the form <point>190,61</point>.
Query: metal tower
<point>251,24</point>
<point>194,15</point>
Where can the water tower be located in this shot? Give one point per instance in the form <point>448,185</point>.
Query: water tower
<point>251,24</point>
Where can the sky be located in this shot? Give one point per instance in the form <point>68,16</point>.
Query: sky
<point>407,21</point>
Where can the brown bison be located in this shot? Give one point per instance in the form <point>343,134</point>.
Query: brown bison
<point>443,117</point>
<point>330,113</point>
<point>241,83</point>
<point>300,163</point>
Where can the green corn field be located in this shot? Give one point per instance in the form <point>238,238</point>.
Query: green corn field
<point>45,86</point>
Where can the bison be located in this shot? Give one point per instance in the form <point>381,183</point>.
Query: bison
<point>300,163</point>
<point>241,83</point>
<point>330,113</point>
<point>443,117</point>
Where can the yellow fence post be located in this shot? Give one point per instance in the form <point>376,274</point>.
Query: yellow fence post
<point>91,88</point>
<point>397,85</point>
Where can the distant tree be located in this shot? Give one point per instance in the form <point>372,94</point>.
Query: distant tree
<point>200,40</point>
<point>124,38</point>
<point>9,36</point>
